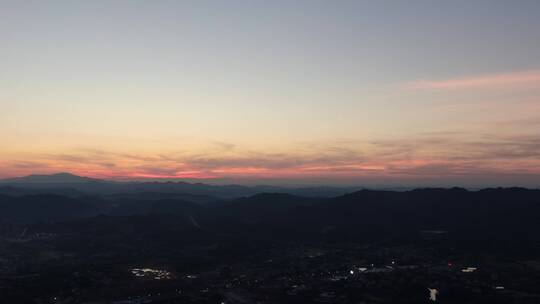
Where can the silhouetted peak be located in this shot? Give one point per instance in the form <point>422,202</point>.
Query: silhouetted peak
<point>56,178</point>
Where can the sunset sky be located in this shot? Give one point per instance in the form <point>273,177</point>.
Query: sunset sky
<point>278,92</point>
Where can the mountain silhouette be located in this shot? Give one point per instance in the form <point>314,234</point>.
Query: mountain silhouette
<point>497,213</point>
<point>57,178</point>
<point>60,182</point>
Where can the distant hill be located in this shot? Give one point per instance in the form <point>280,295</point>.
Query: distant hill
<point>58,178</point>
<point>13,190</point>
<point>498,213</point>
<point>203,192</point>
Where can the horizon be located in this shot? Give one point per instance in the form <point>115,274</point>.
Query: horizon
<point>274,183</point>
<point>288,93</point>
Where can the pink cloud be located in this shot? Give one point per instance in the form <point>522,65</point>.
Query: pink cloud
<point>441,155</point>
<point>523,78</point>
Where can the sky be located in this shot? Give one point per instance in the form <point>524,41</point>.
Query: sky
<point>277,92</point>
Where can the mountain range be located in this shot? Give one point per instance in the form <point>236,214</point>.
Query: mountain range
<point>498,213</point>
<point>62,183</point>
